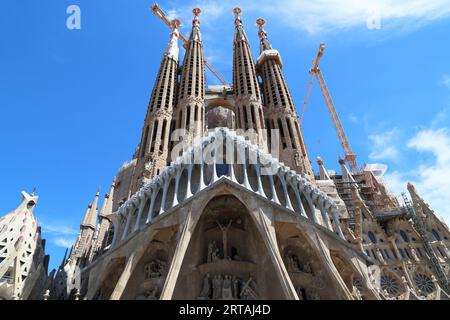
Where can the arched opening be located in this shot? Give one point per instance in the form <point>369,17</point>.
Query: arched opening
<point>157,205</point>
<point>183,185</point>
<point>170,194</point>
<point>226,257</point>
<point>145,212</point>
<point>148,277</point>
<point>309,276</point>
<point>348,274</point>
<point>265,182</point>
<point>107,286</point>
<point>293,198</point>
<point>195,178</point>
<point>279,189</point>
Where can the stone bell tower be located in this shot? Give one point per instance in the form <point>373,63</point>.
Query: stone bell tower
<point>249,111</point>
<point>279,108</point>
<point>190,110</point>
<point>154,150</point>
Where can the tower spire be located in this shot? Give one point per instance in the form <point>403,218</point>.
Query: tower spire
<point>190,110</point>
<point>279,109</point>
<point>90,217</point>
<point>265,44</point>
<point>153,151</point>
<point>249,113</point>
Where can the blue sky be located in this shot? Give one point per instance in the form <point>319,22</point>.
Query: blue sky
<point>72,102</point>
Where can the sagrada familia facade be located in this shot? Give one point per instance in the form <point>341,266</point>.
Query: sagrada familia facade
<point>205,210</point>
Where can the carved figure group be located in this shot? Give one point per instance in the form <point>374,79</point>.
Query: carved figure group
<point>154,269</point>
<point>294,264</point>
<point>227,287</point>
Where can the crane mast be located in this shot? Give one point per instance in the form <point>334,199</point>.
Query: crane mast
<point>350,156</point>
<point>163,16</point>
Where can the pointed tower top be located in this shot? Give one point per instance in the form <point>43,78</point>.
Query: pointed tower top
<point>63,262</point>
<point>346,174</point>
<point>172,47</point>
<point>319,161</point>
<point>265,44</point>
<point>175,23</point>
<point>196,20</point>
<point>195,34</point>
<point>323,172</point>
<point>237,14</point>
<point>29,201</point>
<point>239,35</point>
<point>108,202</point>
<point>90,216</point>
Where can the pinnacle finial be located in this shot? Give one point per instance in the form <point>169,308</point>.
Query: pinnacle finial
<point>237,14</point>
<point>175,23</point>
<point>319,161</point>
<point>196,20</point>
<point>260,22</point>
<point>32,192</point>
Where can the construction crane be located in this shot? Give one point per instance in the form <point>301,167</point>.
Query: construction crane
<point>350,156</point>
<point>163,16</point>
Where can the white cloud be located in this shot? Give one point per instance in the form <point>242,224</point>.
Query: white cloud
<point>172,14</point>
<point>432,181</point>
<point>59,234</point>
<point>353,118</point>
<point>446,80</point>
<point>384,146</point>
<point>333,15</point>
<point>58,229</point>
<point>64,242</point>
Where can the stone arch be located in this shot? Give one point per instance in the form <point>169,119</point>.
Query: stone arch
<point>170,196</point>
<point>344,268</point>
<point>149,274</point>
<point>279,189</point>
<point>157,204</point>
<point>145,211</point>
<point>226,242</point>
<point>183,185</point>
<point>110,278</point>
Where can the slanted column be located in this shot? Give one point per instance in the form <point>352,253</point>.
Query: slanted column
<point>130,213</point>
<point>152,204</point>
<point>243,160</point>
<point>312,208</point>
<point>167,178</point>
<point>394,246</point>
<point>274,192</point>
<point>299,199</point>
<point>137,225</point>
<point>115,221</point>
<point>337,224</point>
<point>324,213</point>
<point>189,182</point>
<point>179,170</point>
<point>285,191</point>
<point>258,176</point>
<point>231,164</point>
<point>215,176</point>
